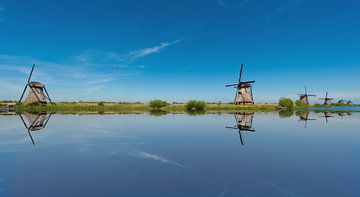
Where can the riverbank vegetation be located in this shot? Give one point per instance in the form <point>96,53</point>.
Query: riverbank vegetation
<point>156,106</point>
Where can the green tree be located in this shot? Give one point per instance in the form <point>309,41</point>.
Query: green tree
<point>286,103</point>
<point>158,104</point>
<point>193,105</point>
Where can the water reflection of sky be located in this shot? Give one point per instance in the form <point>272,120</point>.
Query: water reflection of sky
<point>181,155</point>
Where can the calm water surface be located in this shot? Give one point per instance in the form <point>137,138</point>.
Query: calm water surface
<point>312,154</point>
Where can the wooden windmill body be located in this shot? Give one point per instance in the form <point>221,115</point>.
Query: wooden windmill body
<point>327,100</point>
<point>304,98</point>
<point>244,123</point>
<point>244,94</point>
<point>37,92</point>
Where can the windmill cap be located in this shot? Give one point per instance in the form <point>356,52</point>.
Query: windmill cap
<point>36,84</point>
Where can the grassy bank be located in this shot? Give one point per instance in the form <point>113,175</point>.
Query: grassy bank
<point>135,107</point>
<point>121,108</point>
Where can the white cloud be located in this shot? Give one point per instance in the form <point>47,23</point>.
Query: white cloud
<point>147,51</point>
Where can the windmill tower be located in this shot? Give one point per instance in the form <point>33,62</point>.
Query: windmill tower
<point>36,122</point>
<point>244,94</point>
<point>244,123</point>
<point>304,98</point>
<point>327,100</point>
<point>349,102</point>
<point>37,92</point>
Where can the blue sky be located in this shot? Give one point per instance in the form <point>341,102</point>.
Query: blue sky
<point>179,50</point>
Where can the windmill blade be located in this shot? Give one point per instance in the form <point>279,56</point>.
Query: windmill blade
<point>311,95</point>
<point>31,72</point>
<point>231,85</point>
<point>241,139</point>
<point>231,127</point>
<point>241,71</point>
<point>305,90</point>
<point>22,95</point>
<point>326,96</point>
<point>47,94</point>
<point>247,82</point>
<point>32,139</point>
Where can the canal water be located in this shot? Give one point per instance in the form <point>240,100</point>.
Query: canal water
<point>243,154</point>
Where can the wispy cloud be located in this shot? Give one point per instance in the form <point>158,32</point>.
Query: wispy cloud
<point>112,59</point>
<point>290,4</point>
<point>226,4</point>
<point>158,158</point>
<point>222,3</point>
<point>2,9</point>
<point>147,51</point>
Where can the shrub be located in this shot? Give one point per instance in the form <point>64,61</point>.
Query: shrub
<point>286,103</point>
<point>158,104</point>
<point>101,104</point>
<point>193,105</point>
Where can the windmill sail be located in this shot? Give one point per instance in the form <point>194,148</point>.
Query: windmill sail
<point>37,91</point>
<point>304,98</point>
<point>244,93</point>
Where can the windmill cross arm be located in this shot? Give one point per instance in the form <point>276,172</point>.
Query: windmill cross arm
<point>231,85</point>
<point>231,127</point>
<point>247,82</point>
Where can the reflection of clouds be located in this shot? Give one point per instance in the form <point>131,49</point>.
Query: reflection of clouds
<point>222,194</point>
<point>155,157</point>
<point>2,188</point>
<point>281,189</point>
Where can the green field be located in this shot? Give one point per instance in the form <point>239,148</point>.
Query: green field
<point>123,107</point>
<point>73,107</point>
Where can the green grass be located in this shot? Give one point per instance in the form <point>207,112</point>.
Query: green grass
<point>74,107</point>
<point>124,108</point>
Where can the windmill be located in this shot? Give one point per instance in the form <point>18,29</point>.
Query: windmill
<point>341,102</point>
<point>349,102</point>
<point>37,93</point>
<point>304,116</point>
<point>244,123</point>
<point>327,100</point>
<point>244,94</point>
<point>327,115</point>
<point>304,98</point>
<point>36,122</point>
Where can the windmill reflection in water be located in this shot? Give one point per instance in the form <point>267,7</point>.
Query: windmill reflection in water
<point>35,122</point>
<point>305,116</point>
<point>244,122</point>
<point>327,115</point>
